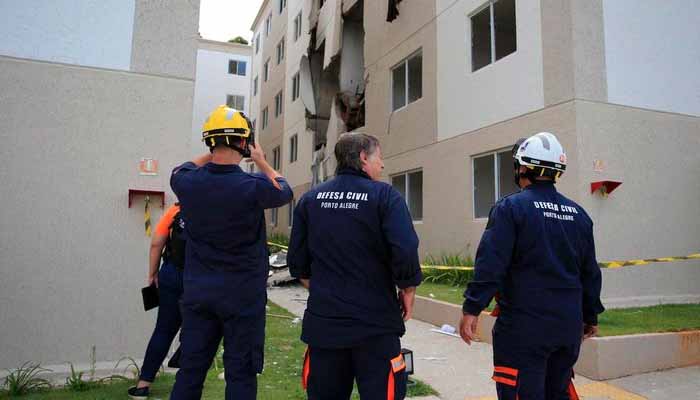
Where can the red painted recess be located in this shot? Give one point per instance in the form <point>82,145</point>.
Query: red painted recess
<point>139,192</point>
<point>605,187</point>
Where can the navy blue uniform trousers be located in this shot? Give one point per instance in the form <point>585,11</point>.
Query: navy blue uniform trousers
<point>204,325</point>
<point>332,372</point>
<point>524,371</point>
<point>168,322</point>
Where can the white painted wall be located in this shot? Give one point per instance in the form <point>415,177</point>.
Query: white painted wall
<point>298,172</point>
<point>95,33</point>
<point>212,84</point>
<point>73,256</point>
<point>507,88</point>
<point>652,54</point>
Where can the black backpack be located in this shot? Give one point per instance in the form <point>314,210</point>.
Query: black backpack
<point>174,252</point>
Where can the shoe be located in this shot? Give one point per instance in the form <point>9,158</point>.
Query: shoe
<point>138,393</point>
<point>174,361</point>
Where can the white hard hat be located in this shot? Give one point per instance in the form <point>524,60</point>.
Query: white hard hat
<point>542,151</point>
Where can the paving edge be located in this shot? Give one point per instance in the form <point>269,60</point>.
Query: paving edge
<point>601,358</point>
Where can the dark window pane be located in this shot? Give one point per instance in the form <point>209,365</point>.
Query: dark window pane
<point>241,68</point>
<point>481,39</point>
<point>415,193</point>
<point>399,86</point>
<point>484,186</point>
<point>399,183</point>
<point>504,21</point>
<point>415,78</point>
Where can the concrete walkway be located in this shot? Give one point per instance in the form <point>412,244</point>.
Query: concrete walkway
<point>461,372</point>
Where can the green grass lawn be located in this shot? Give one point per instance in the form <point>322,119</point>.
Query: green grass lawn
<point>448,293</point>
<point>626,321</point>
<point>281,378</point>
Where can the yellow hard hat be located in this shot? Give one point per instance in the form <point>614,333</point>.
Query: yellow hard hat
<point>223,123</point>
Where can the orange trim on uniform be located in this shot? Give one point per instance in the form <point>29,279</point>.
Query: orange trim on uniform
<point>163,226</point>
<point>306,370</point>
<point>504,381</point>
<point>572,392</point>
<point>397,364</point>
<point>506,370</point>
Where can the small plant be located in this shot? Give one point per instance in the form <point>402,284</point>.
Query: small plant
<point>449,277</point>
<point>277,238</point>
<point>131,367</point>
<point>75,381</point>
<point>25,379</point>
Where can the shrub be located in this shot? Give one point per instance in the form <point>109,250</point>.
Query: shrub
<point>25,379</point>
<point>448,277</point>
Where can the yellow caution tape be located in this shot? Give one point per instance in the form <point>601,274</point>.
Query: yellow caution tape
<point>618,264</point>
<point>147,217</point>
<point>608,264</point>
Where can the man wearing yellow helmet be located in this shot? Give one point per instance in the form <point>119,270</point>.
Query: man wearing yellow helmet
<point>226,265</point>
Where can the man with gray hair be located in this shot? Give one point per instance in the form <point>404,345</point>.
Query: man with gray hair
<point>352,245</point>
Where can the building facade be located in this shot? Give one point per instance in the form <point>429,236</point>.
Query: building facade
<point>449,86</point>
<point>89,91</point>
<point>223,77</point>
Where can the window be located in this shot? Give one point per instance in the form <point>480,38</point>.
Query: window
<point>493,179</point>
<point>293,148</point>
<point>236,67</point>
<point>265,119</point>
<point>410,185</point>
<point>268,25</point>
<point>255,86</point>
<point>266,70</point>
<point>280,51</point>
<point>281,5</point>
<point>279,101</point>
<point>292,206</point>
<point>234,101</point>
<point>407,81</point>
<point>273,217</point>
<point>297,26</point>
<point>493,33</point>
<point>295,86</point>
<point>276,158</point>
<point>257,43</point>
<point>254,123</point>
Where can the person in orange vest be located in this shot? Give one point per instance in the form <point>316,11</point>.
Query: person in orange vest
<point>538,254</point>
<point>167,243</point>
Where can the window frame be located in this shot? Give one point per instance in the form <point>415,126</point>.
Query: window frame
<point>492,33</point>
<point>406,196</point>
<point>268,24</point>
<point>266,70</point>
<point>280,51</point>
<point>255,85</point>
<point>404,63</point>
<point>257,43</point>
<point>298,26</point>
<point>234,97</point>
<point>265,117</point>
<point>279,103</point>
<point>496,174</point>
<point>281,5</point>
<point>238,64</point>
<point>276,158</point>
<point>296,86</point>
<point>294,148</point>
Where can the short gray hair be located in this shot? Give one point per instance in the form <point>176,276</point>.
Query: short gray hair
<point>349,147</point>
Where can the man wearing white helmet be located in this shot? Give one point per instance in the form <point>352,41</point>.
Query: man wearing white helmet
<point>537,255</point>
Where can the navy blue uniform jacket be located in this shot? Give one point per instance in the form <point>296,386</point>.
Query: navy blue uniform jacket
<point>538,253</point>
<point>226,254</point>
<point>354,238</point>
